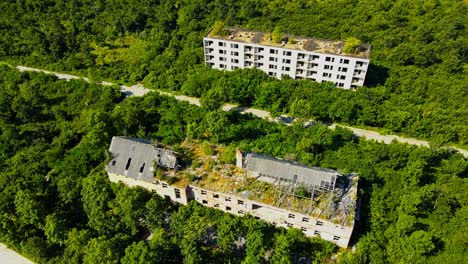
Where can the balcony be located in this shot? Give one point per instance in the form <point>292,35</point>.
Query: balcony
<point>300,72</point>
<point>257,50</point>
<point>209,43</point>
<point>311,74</point>
<point>209,51</point>
<point>360,65</point>
<point>357,73</point>
<point>313,57</point>
<point>301,57</point>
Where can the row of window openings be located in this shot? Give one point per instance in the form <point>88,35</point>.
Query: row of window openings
<point>273,59</point>
<point>316,232</point>
<point>285,53</point>
<point>330,67</point>
<point>216,196</point>
<point>305,219</point>
<point>329,75</point>
<point>326,67</point>
<point>331,59</point>
<point>228,208</point>
<point>176,191</point>
<point>225,59</point>
<point>283,68</point>
<point>223,66</point>
<point>233,53</point>
<point>223,44</point>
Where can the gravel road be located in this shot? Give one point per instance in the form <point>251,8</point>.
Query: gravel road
<point>8,256</point>
<point>139,90</point>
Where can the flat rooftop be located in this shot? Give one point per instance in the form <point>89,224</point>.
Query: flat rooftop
<point>325,46</point>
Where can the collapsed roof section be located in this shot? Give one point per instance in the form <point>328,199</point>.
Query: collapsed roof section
<point>136,158</point>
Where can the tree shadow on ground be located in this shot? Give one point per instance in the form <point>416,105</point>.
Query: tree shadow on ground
<point>362,221</point>
<point>376,75</point>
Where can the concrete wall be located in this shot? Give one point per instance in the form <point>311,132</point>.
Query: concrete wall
<point>276,61</point>
<point>162,188</point>
<point>237,205</point>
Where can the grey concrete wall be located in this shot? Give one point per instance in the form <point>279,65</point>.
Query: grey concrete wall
<point>237,205</point>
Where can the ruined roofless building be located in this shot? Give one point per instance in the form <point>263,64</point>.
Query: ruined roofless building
<point>136,158</point>
<point>315,59</point>
<point>329,204</point>
<point>283,172</point>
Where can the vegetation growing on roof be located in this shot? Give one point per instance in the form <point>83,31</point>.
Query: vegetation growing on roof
<point>219,29</point>
<point>351,45</point>
<point>277,35</point>
<point>414,204</point>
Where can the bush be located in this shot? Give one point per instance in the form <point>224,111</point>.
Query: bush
<point>351,45</point>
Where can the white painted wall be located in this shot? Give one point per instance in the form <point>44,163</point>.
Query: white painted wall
<point>221,57</point>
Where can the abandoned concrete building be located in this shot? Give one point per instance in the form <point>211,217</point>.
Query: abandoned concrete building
<point>315,59</point>
<point>318,201</point>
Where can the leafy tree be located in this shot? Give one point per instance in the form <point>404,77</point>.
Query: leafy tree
<point>129,204</point>
<point>218,29</point>
<point>227,233</point>
<point>155,212</point>
<point>100,250</point>
<point>28,208</point>
<point>76,245</point>
<point>96,195</point>
<point>277,34</point>
<point>255,250</point>
<point>55,229</point>
<point>35,248</point>
<point>282,249</point>
<point>190,252</point>
<point>138,253</point>
<point>212,100</point>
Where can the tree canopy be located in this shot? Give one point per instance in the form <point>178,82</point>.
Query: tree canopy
<point>415,85</point>
<point>57,205</point>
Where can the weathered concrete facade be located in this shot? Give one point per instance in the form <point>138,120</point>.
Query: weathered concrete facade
<point>337,233</point>
<point>236,205</point>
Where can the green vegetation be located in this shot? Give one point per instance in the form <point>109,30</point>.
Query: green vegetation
<point>218,29</point>
<point>277,35</point>
<point>417,77</point>
<point>351,45</point>
<point>58,206</point>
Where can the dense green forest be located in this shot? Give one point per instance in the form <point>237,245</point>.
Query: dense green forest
<point>57,205</point>
<point>416,83</point>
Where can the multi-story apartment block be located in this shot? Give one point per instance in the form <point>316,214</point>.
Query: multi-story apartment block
<point>314,59</point>
<point>319,202</point>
